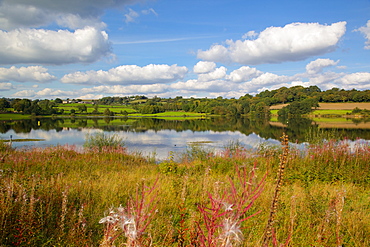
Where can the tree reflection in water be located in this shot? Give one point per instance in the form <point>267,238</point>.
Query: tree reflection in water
<point>227,127</point>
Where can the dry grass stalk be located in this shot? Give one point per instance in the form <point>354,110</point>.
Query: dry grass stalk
<point>269,231</point>
<point>64,210</point>
<point>333,213</point>
<point>339,210</point>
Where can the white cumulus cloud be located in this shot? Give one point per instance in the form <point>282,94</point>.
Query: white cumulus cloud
<point>359,80</point>
<point>365,30</point>
<point>204,67</point>
<point>126,90</point>
<point>293,42</point>
<point>25,94</point>
<point>218,73</point>
<point>26,74</point>
<point>318,65</point>
<point>44,93</point>
<point>244,73</point>
<point>5,86</point>
<point>324,80</point>
<point>129,74</point>
<point>53,47</point>
<point>69,13</point>
<point>250,34</point>
<point>268,80</point>
<point>194,86</point>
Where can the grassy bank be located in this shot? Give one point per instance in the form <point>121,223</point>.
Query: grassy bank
<point>13,116</point>
<point>56,197</point>
<point>118,110</point>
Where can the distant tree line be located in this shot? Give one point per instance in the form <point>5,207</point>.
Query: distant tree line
<point>27,106</point>
<point>301,100</point>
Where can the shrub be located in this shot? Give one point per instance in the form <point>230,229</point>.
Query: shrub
<point>100,140</point>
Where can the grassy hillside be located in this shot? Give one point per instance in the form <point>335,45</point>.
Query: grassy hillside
<point>328,108</point>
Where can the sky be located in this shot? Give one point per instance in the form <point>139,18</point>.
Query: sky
<point>89,49</point>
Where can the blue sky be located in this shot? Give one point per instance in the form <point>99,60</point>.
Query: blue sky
<point>90,49</point>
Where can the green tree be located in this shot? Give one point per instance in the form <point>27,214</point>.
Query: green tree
<point>46,107</point>
<point>4,104</point>
<point>82,108</point>
<point>261,109</point>
<point>22,105</point>
<point>108,112</point>
<point>296,108</point>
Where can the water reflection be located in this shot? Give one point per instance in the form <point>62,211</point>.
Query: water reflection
<point>158,142</point>
<point>148,135</point>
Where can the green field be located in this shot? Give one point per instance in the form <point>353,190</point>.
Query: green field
<point>331,120</point>
<point>119,110</point>
<point>319,112</point>
<point>13,116</point>
<point>90,108</point>
<point>176,114</point>
<point>331,112</point>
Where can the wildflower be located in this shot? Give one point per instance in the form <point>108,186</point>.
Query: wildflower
<point>120,209</point>
<point>109,219</point>
<point>129,226</point>
<point>103,220</point>
<point>228,207</point>
<point>231,233</point>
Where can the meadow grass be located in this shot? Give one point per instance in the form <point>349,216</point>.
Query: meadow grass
<point>57,196</point>
<point>321,112</point>
<point>13,116</point>
<point>274,112</point>
<point>331,112</point>
<point>331,120</point>
<point>177,114</point>
<point>90,108</point>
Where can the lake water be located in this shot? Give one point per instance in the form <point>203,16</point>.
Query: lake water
<point>159,137</point>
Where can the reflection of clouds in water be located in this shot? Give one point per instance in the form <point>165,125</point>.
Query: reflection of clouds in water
<point>66,136</point>
<point>161,142</point>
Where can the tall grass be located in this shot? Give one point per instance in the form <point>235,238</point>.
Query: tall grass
<point>56,196</point>
<point>101,140</point>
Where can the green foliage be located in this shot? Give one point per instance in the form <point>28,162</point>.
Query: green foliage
<point>233,146</point>
<point>5,147</point>
<point>82,108</point>
<point>358,111</point>
<point>101,140</point>
<point>108,112</point>
<point>296,108</point>
<point>341,163</point>
<point>245,105</point>
<point>4,104</point>
<point>169,166</point>
<point>319,136</point>
<point>151,108</point>
<point>196,151</point>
